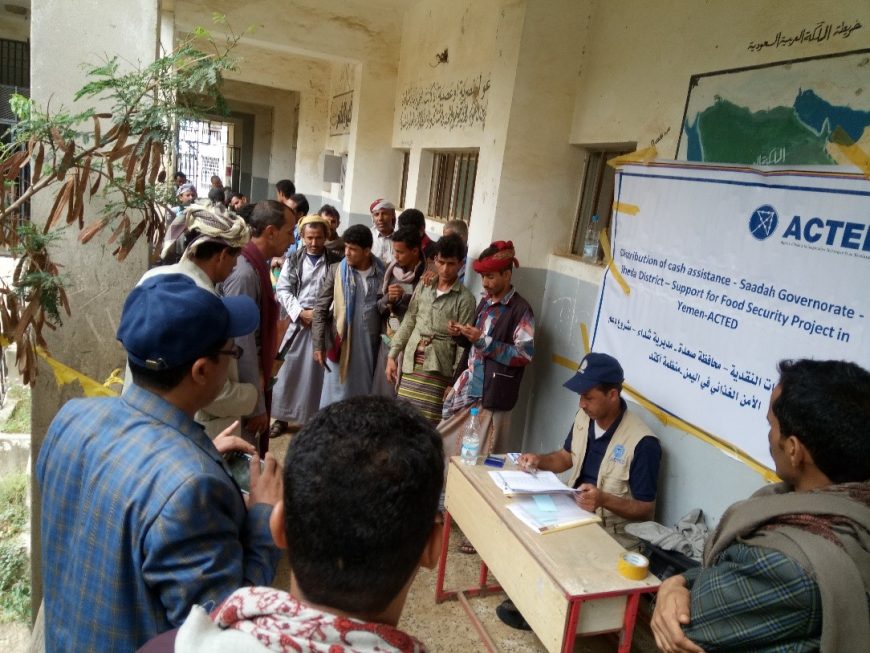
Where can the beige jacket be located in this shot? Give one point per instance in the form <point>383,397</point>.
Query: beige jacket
<point>614,471</point>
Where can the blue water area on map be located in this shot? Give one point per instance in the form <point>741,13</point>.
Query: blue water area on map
<point>693,140</point>
<point>814,112</point>
<point>811,111</point>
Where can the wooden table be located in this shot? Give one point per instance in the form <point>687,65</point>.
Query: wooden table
<point>547,576</point>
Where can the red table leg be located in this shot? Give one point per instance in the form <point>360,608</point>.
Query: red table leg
<point>625,636</point>
<point>440,594</point>
<point>571,628</point>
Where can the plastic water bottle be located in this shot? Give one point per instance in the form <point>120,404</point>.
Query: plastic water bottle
<point>471,440</point>
<point>590,244</point>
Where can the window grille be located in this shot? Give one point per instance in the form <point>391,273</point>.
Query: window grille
<point>596,195</point>
<point>451,189</point>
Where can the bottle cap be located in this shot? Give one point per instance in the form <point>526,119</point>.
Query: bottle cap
<point>475,411</point>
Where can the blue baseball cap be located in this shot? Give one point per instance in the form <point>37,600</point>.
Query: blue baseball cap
<point>169,321</point>
<point>594,370</point>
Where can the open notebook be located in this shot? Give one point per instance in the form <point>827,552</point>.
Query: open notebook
<point>546,513</point>
<point>513,482</point>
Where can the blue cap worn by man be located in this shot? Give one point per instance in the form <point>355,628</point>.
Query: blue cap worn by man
<point>140,517</point>
<point>613,456</point>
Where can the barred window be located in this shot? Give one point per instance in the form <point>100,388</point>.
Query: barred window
<point>596,198</point>
<point>403,185</point>
<point>451,190</point>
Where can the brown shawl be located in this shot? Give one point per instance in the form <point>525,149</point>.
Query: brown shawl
<point>827,532</point>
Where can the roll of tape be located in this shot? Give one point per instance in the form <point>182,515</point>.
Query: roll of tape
<point>633,566</point>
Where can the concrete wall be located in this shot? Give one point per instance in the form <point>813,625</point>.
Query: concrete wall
<point>296,88</point>
<point>97,283</point>
<point>315,34</point>
<point>462,104</point>
<point>634,75</point>
<point>274,140</point>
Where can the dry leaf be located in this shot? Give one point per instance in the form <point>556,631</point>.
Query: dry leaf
<point>92,230</point>
<point>129,241</point>
<point>97,127</point>
<point>36,168</point>
<point>57,208</point>
<point>123,227</point>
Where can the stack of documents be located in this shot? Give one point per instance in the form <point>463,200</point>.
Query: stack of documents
<point>514,482</point>
<point>542,501</point>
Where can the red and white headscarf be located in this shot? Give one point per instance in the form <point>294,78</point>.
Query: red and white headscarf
<point>381,204</point>
<point>503,259</point>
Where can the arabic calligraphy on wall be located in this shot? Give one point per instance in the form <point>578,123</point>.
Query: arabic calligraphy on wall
<point>340,113</point>
<point>453,105</point>
<point>821,32</point>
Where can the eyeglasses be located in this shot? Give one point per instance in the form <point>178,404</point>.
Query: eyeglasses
<point>236,352</point>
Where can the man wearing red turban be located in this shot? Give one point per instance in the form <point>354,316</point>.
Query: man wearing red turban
<point>499,345</point>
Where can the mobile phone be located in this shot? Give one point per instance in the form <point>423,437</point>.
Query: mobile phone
<point>240,469</point>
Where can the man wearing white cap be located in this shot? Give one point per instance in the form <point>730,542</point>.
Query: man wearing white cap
<point>186,196</point>
<point>296,396</point>
<point>383,225</point>
<point>212,241</point>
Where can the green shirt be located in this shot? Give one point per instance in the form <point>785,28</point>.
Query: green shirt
<point>427,318</point>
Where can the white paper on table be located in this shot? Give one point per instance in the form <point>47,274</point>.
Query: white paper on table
<point>566,515</point>
<point>518,482</point>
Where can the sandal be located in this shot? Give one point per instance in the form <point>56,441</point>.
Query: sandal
<point>466,547</point>
<point>278,429</point>
<point>507,612</point>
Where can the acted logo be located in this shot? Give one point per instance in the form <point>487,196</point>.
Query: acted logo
<point>763,221</point>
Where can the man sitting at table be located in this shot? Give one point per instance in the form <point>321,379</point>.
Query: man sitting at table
<point>613,457</point>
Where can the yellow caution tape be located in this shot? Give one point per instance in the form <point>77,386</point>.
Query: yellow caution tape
<point>64,374</point>
<point>726,447</point>
<point>670,420</point>
<point>857,156</point>
<point>565,362</point>
<point>638,156</point>
<point>633,566</point>
<point>608,257</point>
<point>115,378</point>
<point>624,207</point>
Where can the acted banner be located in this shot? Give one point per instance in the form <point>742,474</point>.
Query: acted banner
<point>730,270</point>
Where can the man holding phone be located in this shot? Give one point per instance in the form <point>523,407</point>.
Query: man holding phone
<point>140,516</point>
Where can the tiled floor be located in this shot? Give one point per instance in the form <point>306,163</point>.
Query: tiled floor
<point>445,628</point>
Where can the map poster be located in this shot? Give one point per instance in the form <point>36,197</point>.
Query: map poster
<point>788,113</point>
<point>730,270</point>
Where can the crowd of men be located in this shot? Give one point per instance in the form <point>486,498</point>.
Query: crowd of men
<point>265,320</point>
